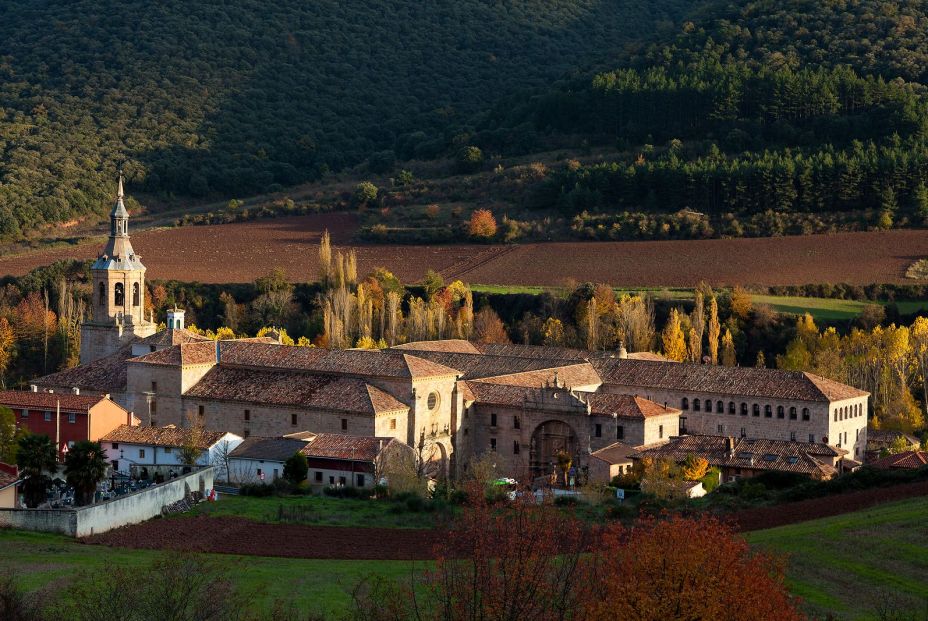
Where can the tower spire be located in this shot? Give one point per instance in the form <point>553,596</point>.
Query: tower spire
<point>119,193</point>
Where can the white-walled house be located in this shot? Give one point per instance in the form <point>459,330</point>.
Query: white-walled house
<point>334,460</point>
<point>148,451</point>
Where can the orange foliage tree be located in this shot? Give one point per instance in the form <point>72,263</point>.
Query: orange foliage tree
<point>489,328</point>
<point>534,562</point>
<point>482,224</point>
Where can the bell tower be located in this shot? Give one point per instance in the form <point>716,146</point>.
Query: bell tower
<point>118,304</point>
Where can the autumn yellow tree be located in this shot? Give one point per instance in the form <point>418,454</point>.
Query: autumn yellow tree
<point>695,467</point>
<point>554,332</point>
<point>482,224</point>
<point>715,330</point>
<point>673,339</point>
<point>729,358</point>
<point>741,303</point>
<point>7,348</point>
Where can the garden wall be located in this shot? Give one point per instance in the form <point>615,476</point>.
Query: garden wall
<point>95,519</point>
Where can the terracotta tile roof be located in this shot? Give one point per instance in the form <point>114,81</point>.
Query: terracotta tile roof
<point>477,366</point>
<point>371,363</point>
<point>909,460</point>
<point>570,376</point>
<point>745,381</point>
<point>167,338</point>
<point>293,388</point>
<point>337,446</point>
<point>7,479</point>
<point>161,436</point>
<point>618,453</point>
<point>881,438</point>
<point>459,346</point>
<point>748,453</point>
<point>48,401</point>
<point>268,449</point>
<point>536,352</point>
<point>105,375</point>
<point>627,406</point>
<point>647,355</point>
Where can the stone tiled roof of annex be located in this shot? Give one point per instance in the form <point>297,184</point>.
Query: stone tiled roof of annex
<point>757,454</point>
<point>294,389</point>
<point>745,381</point>
<point>49,401</point>
<point>104,375</point>
<point>908,460</point>
<point>535,352</point>
<point>348,362</point>
<point>337,446</point>
<point>458,346</point>
<point>168,338</point>
<point>269,449</point>
<point>883,438</point>
<point>182,354</point>
<point>618,453</point>
<point>163,436</point>
<point>628,406</point>
<point>570,376</point>
<point>477,366</point>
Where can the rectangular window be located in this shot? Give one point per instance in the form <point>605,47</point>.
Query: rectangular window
<point>141,453</point>
<point>200,410</point>
<point>515,447</point>
<point>72,418</point>
<point>805,413</point>
<point>599,430</point>
<point>25,414</point>
<point>359,480</point>
<point>260,474</point>
<point>660,431</point>
<point>48,417</point>
<point>619,432</point>
<point>167,450</point>
<point>492,420</point>
<point>293,419</point>
<point>516,424</point>
<point>344,424</point>
<point>492,444</point>
<point>392,423</point>
<point>276,473</point>
<point>811,438</point>
<point>247,414</point>
<point>721,429</point>
<point>792,436</point>
<point>341,481</point>
<point>115,445</point>
<point>154,386</point>
<point>318,477</point>
<point>331,480</point>
<point>743,432</point>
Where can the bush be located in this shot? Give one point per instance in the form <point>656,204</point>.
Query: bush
<point>262,490</point>
<point>469,159</point>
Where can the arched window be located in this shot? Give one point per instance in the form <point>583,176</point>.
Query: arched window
<point>695,405</point>
<point>805,413</point>
<point>708,405</point>
<point>744,408</point>
<point>685,404</point>
<point>755,410</point>
<point>781,413</point>
<point>731,408</point>
<point>768,411</point>
<point>120,295</point>
<point>136,298</point>
<point>102,294</point>
<point>720,407</point>
<point>792,413</point>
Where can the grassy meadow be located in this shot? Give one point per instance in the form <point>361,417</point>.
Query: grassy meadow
<point>850,565</point>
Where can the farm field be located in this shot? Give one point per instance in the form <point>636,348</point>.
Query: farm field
<point>241,252</point>
<point>320,586</point>
<point>852,564</point>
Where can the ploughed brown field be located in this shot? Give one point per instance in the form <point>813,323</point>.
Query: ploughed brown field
<point>243,251</point>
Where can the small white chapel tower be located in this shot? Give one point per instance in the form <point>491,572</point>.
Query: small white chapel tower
<point>118,306</point>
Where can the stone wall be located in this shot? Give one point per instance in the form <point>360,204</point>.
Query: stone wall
<point>95,519</point>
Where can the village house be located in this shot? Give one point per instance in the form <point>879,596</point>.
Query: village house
<point>739,458</point>
<point>66,418</point>
<point>334,460</point>
<point>146,452</point>
<point>881,441</point>
<point>611,461</point>
<point>907,460</point>
<point>9,482</point>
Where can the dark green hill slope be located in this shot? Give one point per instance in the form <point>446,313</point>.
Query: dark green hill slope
<point>234,97</point>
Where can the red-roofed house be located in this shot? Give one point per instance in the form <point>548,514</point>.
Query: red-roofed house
<point>908,460</point>
<point>66,418</point>
<point>9,478</point>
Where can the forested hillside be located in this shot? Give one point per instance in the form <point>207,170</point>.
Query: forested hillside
<point>238,97</point>
<point>772,116</point>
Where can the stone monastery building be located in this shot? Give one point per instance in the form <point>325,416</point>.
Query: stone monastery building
<point>452,399</point>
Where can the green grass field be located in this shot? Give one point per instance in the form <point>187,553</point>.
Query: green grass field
<point>318,510</point>
<point>851,564</point>
<point>321,586</point>
<point>821,309</point>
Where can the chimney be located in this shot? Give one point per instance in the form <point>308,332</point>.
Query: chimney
<point>730,443</point>
<point>76,390</point>
<point>34,387</point>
